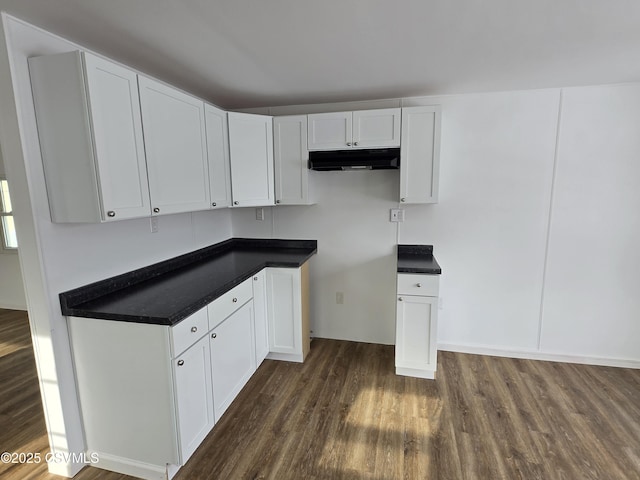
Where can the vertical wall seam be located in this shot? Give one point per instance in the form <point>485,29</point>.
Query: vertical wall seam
<point>549,218</point>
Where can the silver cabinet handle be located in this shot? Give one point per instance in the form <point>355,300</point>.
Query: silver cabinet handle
<point>355,144</point>
<point>194,329</point>
<point>399,299</point>
<point>255,278</point>
<point>156,210</point>
<point>277,201</point>
<point>214,335</point>
<point>402,199</point>
<point>234,300</point>
<point>348,144</point>
<point>213,204</point>
<point>235,203</point>
<point>419,285</point>
<point>180,363</point>
<point>111,213</point>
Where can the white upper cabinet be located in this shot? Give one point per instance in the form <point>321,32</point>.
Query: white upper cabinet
<point>175,142</point>
<point>90,131</point>
<point>291,156</point>
<point>420,154</point>
<point>376,128</point>
<point>330,131</point>
<point>361,129</point>
<point>251,149</point>
<point>218,155</point>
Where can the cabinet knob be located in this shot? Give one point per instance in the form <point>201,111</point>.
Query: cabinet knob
<point>156,210</point>
<point>402,199</point>
<point>180,363</point>
<point>277,201</point>
<point>348,144</point>
<point>235,300</point>
<point>194,329</point>
<point>214,335</point>
<point>255,278</point>
<point>355,144</point>
<point>111,213</point>
<point>399,299</point>
<point>213,204</point>
<point>235,203</point>
<point>419,285</point>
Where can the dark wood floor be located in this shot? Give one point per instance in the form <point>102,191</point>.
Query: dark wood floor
<point>344,414</point>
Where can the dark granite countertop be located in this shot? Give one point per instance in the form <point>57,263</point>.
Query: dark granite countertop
<point>167,292</point>
<point>417,259</point>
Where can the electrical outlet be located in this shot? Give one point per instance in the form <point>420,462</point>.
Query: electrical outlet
<point>397,215</point>
<point>259,213</point>
<point>154,224</point>
<point>339,298</point>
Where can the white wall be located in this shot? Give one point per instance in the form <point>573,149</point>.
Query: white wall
<point>57,257</point>
<point>591,296</point>
<point>516,219</point>
<point>11,288</point>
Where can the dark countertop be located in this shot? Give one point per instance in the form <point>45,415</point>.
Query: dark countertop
<point>417,259</point>
<point>167,292</point>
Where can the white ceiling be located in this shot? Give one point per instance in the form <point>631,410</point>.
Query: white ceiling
<point>244,53</point>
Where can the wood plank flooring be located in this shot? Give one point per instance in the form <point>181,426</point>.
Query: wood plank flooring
<point>344,414</point>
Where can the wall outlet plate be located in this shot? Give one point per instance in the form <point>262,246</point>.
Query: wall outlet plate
<point>154,224</point>
<point>259,213</point>
<point>396,215</point>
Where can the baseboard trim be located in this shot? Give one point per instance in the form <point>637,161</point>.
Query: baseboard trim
<point>286,357</point>
<point>414,372</point>
<point>13,306</point>
<point>130,467</point>
<point>65,469</point>
<point>536,355</point>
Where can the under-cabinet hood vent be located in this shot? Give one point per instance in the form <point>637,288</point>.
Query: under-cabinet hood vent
<point>374,159</point>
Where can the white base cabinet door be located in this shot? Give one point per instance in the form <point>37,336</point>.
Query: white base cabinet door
<point>416,321</point>
<point>420,155</point>
<point>176,147</point>
<point>90,131</point>
<point>251,151</point>
<point>233,358</point>
<point>260,316</point>
<point>194,397</point>
<point>287,313</point>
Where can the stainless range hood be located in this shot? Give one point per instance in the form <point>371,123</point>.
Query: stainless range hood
<point>373,159</point>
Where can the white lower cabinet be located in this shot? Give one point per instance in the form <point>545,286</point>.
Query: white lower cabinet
<point>416,325</point>
<point>288,313</point>
<point>233,359</point>
<point>150,394</point>
<point>194,399</point>
<point>260,316</point>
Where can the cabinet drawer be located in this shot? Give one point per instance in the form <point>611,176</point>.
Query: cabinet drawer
<point>229,302</point>
<point>188,331</point>
<point>418,284</point>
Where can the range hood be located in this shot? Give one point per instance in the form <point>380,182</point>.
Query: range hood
<point>374,159</point>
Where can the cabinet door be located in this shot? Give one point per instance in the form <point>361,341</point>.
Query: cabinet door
<point>251,149</point>
<point>194,402</point>
<point>284,310</point>
<point>232,357</point>
<point>376,128</point>
<point>218,155</point>
<point>260,316</point>
<point>118,143</point>
<point>175,142</point>
<point>330,131</point>
<point>291,160</point>
<point>416,321</point>
<point>420,155</point>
